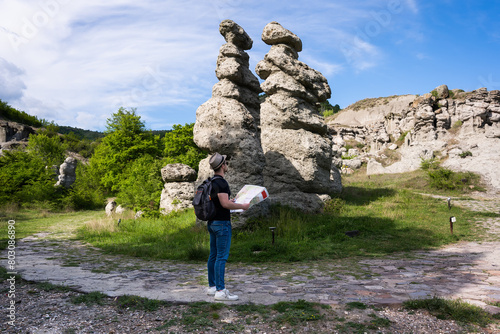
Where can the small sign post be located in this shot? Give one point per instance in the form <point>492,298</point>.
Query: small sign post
<point>452,220</point>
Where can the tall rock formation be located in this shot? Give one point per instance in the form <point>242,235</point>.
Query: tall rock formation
<point>294,136</point>
<point>67,173</point>
<point>228,122</point>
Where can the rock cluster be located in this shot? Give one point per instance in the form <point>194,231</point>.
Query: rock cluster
<point>282,143</point>
<point>462,126</point>
<point>178,191</point>
<point>229,121</point>
<point>67,173</point>
<point>294,136</point>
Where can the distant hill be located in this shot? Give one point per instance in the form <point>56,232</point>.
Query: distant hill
<point>80,133</point>
<point>11,114</point>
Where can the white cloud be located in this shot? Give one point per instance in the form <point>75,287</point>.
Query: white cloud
<point>11,84</point>
<point>79,61</point>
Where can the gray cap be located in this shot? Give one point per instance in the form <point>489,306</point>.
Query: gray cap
<point>216,160</point>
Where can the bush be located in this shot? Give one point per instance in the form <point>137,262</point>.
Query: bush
<point>86,192</point>
<point>428,164</point>
<point>443,178</point>
<point>24,179</point>
<point>180,147</point>
<point>465,154</point>
<point>141,184</point>
<point>49,149</point>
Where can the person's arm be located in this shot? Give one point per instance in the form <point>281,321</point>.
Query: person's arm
<point>229,204</point>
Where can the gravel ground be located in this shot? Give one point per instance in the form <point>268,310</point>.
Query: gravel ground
<point>45,309</point>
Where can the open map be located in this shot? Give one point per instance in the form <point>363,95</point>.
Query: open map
<point>250,194</point>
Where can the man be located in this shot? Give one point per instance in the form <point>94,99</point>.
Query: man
<point>220,229</point>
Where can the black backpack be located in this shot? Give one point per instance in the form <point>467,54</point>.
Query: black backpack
<point>204,207</point>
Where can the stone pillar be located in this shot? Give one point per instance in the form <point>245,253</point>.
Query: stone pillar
<point>228,122</point>
<point>178,192</point>
<point>294,136</point>
<point>67,173</point>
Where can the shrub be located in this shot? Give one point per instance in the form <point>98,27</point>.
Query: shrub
<point>141,184</point>
<point>465,154</point>
<point>86,192</point>
<point>24,178</point>
<point>443,178</point>
<point>428,164</point>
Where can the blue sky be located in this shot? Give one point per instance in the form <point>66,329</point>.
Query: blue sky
<point>77,61</point>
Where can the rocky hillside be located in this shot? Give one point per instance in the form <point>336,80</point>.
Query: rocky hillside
<point>393,134</point>
<point>14,134</point>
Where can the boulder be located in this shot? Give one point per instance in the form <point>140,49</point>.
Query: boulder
<point>67,173</point>
<point>442,92</point>
<point>110,208</point>
<point>178,191</point>
<point>120,210</point>
<point>178,173</point>
<point>176,196</point>
<point>12,131</point>
<point>274,34</point>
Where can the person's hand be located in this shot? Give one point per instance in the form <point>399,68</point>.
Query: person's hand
<point>245,206</point>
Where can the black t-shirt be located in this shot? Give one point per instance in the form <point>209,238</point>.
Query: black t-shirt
<point>219,185</point>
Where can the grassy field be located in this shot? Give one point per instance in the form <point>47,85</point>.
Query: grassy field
<point>389,213</point>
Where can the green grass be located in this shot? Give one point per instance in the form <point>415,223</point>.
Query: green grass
<point>388,215</point>
<point>457,310</point>
<point>139,303</point>
<point>386,210</point>
<point>92,298</point>
<point>296,312</point>
<point>30,221</point>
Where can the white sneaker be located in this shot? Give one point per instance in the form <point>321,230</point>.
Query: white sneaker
<point>225,295</point>
<point>211,290</point>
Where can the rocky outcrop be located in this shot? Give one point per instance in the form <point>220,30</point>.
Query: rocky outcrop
<point>452,122</point>
<point>14,135</point>
<point>67,173</point>
<point>228,122</point>
<point>294,136</point>
<point>178,191</point>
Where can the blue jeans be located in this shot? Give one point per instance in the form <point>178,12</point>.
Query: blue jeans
<point>220,242</point>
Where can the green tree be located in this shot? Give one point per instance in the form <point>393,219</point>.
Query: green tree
<point>126,140</point>
<point>326,109</point>
<point>24,178</point>
<point>141,183</point>
<point>180,146</point>
<point>49,149</point>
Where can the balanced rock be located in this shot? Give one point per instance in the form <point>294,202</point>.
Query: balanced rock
<point>275,34</point>
<point>294,136</point>
<point>178,173</point>
<point>228,122</point>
